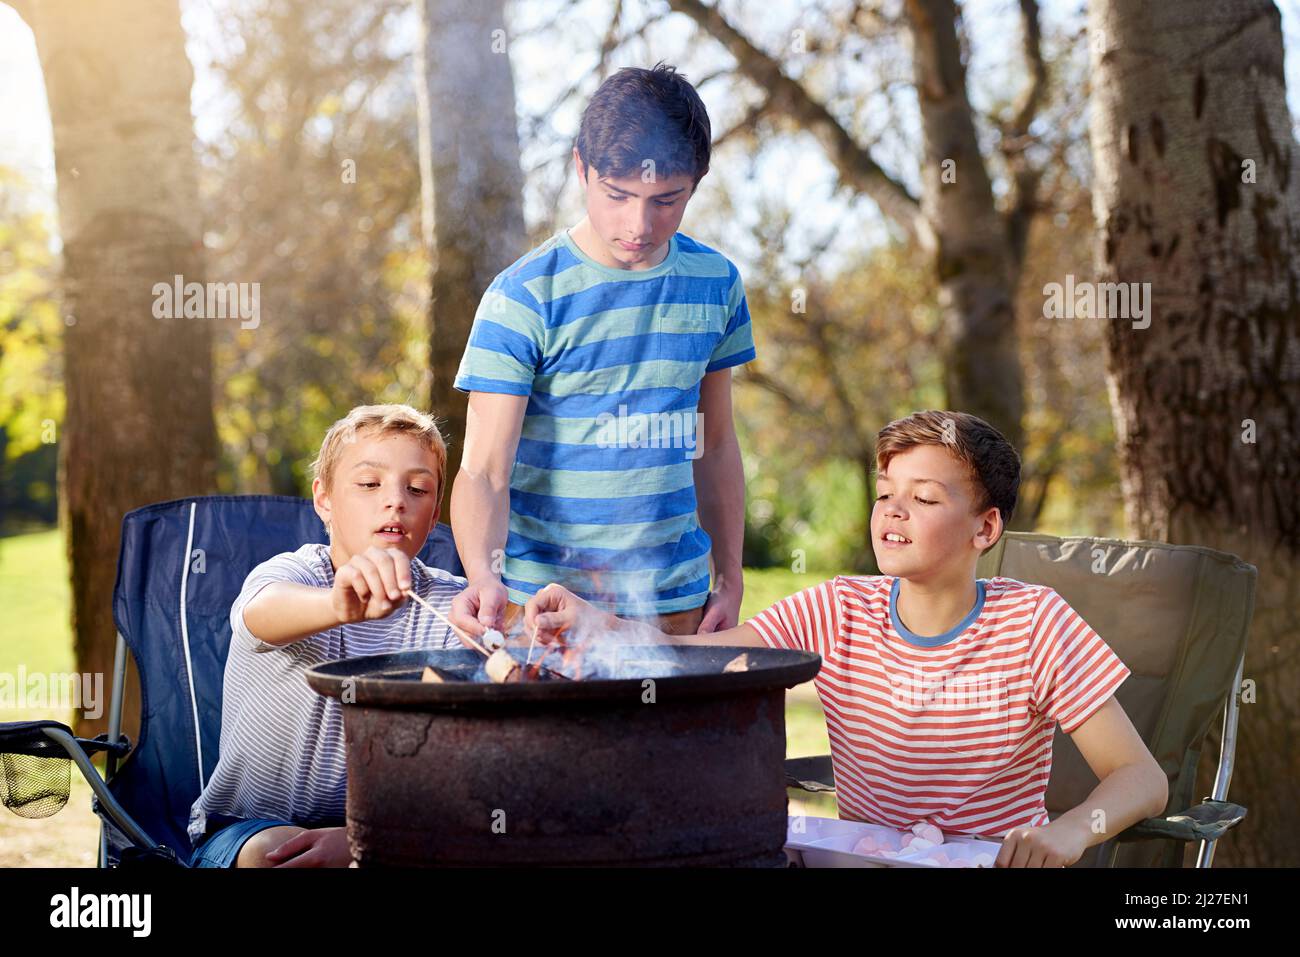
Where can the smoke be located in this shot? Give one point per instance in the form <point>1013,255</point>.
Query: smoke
<point>593,651</point>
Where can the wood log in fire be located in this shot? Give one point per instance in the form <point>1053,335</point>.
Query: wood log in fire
<point>738,663</point>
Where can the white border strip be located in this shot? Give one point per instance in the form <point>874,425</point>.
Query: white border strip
<point>185,640</point>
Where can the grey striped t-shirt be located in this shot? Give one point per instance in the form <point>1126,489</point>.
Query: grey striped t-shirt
<point>282,743</point>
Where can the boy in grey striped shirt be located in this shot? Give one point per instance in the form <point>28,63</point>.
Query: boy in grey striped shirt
<point>277,794</point>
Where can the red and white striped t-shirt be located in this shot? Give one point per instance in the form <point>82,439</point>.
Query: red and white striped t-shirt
<point>955,729</point>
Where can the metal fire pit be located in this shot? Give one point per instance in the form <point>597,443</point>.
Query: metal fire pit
<point>675,764</point>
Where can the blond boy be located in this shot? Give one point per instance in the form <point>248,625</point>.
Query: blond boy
<point>276,796</point>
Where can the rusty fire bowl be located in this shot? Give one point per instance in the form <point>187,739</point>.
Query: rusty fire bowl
<point>672,762</point>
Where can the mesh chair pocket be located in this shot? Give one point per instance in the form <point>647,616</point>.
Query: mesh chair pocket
<point>35,769</point>
<point>33,786</point>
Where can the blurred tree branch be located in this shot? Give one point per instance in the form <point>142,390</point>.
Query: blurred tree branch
<point>1016,136</point>
<point>854,164</point>
<point>746,123</point>
<point>611,42</point>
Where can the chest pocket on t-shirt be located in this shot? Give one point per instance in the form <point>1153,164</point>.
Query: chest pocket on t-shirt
<point>685,336</point>
<point>979,708</point>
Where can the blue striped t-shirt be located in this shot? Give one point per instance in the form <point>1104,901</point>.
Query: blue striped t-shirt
<point>602,494</point>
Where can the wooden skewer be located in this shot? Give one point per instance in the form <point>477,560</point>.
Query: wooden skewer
<point>456,631</point>
<point>474,644</point>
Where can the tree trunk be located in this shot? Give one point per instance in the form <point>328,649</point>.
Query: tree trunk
<point>472,184</point>
<point>139,425</point>
<point>973,254</point>
<point>1197,192</point>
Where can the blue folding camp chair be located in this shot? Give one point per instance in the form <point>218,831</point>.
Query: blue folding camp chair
<point>180,568</point>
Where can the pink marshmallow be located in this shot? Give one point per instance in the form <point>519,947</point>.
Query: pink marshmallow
<point>926,830</point>
<point>866,846</point>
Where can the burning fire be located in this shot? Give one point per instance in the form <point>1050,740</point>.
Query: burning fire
<point>568,657</point>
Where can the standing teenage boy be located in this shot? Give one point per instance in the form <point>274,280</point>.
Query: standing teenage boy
<point>600,450</point>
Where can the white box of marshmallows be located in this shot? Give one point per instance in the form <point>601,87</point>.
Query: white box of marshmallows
<point>829,842</point>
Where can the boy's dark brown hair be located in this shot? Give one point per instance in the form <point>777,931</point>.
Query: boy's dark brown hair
<point>638,115</point>
<point>992,463</point>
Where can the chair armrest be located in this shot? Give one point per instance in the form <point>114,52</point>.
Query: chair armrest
<point>29,738</point>
<point>1207,821</point>
<point>810,774</point>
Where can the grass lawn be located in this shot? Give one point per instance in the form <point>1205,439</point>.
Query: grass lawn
<point>34,598</point>
<point>37,635</point>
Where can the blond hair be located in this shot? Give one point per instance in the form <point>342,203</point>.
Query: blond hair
<point>384,420</point>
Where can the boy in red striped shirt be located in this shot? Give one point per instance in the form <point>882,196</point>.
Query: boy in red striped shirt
<point>942,691</point>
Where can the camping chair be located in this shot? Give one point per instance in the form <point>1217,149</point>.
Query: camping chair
<point>1178,616</point>
<point>180,567</point>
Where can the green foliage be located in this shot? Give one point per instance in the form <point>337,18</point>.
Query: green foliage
<point>31,393</point>
<point>31,354</point>
<point>810,517</point>
<point>314,193</point>
<point>839,356</point>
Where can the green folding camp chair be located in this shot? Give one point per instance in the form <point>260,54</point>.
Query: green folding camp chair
<point>1178,617</point>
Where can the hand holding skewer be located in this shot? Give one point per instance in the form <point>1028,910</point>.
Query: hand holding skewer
<point>502,666</point>
<point>465,638</point>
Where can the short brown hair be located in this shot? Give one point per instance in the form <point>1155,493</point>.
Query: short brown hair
<point>396,419</point>
<point>992,463</point>
<point>638,115</point>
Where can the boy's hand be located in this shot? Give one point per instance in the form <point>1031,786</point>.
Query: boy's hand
<point>480,606</point>
<point>371,585</point>
<point>555,609</point>
<point>1047,846</point>
<point>322,847</point>
<point>721,610</point>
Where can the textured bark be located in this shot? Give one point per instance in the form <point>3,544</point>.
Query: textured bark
<point>974,255</point>
<point>139,425</point>
<point>1183,94</point>
<point>469,160</point>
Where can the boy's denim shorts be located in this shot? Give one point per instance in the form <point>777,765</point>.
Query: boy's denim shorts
<point>220,848</point>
